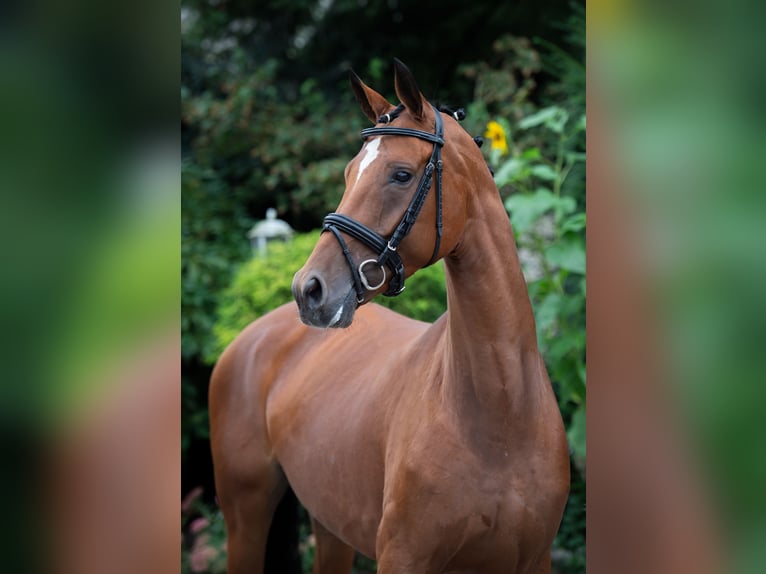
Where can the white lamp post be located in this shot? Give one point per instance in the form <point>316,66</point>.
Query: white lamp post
<point>269,229</point>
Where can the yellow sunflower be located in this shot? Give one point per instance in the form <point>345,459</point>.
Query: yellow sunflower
<point>496,134</point>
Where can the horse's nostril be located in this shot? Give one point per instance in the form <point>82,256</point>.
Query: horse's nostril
<point>312,292</point>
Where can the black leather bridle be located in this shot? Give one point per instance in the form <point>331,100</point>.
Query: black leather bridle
<point>386,248</point>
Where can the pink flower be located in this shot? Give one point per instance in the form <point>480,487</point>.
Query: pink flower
<point>190,498</point>
<point>198,525</point>
<point>201,556</point>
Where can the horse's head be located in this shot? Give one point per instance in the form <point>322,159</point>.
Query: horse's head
<point>400,210</point>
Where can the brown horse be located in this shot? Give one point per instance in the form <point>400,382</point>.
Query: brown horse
<point>429,447</point>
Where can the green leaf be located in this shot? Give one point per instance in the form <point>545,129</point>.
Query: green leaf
<point>575,156</point>
<point>538,118</point>
<point>544,171</point>
<point>577,433</point>
<point>582,372</point>
<point>546,314</point>
<point>555,349</point>
<point>525,209</point>
<point>531,154</point>
<point>554,118</point>
<point>568,254</point>
<point>573,223</point>
<point>564,206</point>
<point>511,170</point>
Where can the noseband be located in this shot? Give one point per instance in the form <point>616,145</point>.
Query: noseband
<point>386,248</point>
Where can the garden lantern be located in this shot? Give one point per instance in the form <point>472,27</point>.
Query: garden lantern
<point>269,229</point>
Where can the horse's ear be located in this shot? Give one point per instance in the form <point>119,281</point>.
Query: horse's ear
<point>407,89</point>
<point>373,104</point>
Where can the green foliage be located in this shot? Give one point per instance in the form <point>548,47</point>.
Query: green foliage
<point>286,145</point>
<point>260,285</point>
<point>504,88</point>
<point>425,295</point>
<point>263,284</point>
<point>250,144</point>
<point>509,88</point>
<point>549,225</point>
<point>542,180</point>
<point>567,63</point>
<point>214,226</point>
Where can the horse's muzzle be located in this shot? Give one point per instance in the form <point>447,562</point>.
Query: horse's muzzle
<point>319,306</point>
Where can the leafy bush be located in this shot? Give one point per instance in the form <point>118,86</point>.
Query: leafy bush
<point>538,156</point>
<point>260,285</point>
<point>550,232</point>
<point>284,146</point>
<point>263,284</point>
<point>549,225</point>
<point>214,227</point>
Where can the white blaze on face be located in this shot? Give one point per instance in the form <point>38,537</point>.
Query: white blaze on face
<point>371,152</point>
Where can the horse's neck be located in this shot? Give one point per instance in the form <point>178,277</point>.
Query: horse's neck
<point>493,371</point>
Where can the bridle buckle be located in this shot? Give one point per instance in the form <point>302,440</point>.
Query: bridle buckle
<point>363,277</point>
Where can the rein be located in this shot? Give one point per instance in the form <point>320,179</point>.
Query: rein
<point>386,248</point>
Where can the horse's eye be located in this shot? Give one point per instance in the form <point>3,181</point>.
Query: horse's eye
<point>402,177</point>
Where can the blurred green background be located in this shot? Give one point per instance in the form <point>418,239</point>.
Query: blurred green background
<point>677,90</point>
<point>268,120</point>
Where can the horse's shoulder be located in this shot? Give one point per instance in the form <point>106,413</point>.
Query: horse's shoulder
<point>256,346</point>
